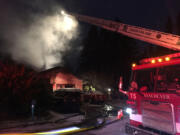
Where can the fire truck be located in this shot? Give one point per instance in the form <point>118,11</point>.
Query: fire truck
<point>153,97</point>
<point>154,94</point>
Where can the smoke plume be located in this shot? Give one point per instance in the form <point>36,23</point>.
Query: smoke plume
<point>35,32</point>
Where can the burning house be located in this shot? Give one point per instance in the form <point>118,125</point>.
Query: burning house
<point>61,78</point>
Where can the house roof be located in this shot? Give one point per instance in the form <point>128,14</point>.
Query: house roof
<point>55,70</point>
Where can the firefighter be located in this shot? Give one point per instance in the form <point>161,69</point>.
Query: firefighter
<point>177,83</point>
<point>133,86</point>
<point>162,86</point>
<point>174,85</point>
<point>161,83</point>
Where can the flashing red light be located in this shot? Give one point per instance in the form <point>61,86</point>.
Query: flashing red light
<point>167,59</point>
<point>153,61</point>
<point>159,60</point>
<point>164,58</point>
<point>133,65</point>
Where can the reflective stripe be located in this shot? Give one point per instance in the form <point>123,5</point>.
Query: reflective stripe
<point>136,117</point>
<point>58,131</point>
<point>178,127</point>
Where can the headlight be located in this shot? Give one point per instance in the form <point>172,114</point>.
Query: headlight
<point>129,110</point>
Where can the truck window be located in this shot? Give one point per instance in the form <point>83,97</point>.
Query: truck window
<point>144,79</point>
<point>169,78</point>
<point>161,79</point>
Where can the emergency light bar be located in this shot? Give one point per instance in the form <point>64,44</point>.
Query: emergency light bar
<point>160,59</point>
<point>157,61</point>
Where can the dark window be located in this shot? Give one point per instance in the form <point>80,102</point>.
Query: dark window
<point>161,79</point>
<point>144,79</point>
<point>168,78</point>
<point>69,86</point>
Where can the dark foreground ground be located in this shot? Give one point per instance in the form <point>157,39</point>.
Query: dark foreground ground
<point>55,120</point>
<point>116,128</point>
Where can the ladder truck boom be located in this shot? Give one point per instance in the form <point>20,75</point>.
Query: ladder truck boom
<point>166,40</point>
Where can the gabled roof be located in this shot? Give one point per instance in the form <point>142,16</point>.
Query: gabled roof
<point>56,70</point>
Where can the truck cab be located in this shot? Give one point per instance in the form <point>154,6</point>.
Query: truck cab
<point>154,96</point>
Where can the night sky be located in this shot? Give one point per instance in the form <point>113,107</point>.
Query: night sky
<point>93,50</point>
<point>149,14</point>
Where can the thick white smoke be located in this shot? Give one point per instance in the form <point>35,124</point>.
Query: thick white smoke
<point>43,43</point>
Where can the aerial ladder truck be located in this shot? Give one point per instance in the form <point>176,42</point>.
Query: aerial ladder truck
<point>154,94</point>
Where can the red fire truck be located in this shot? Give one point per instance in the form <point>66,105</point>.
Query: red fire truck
<point>154,93</point>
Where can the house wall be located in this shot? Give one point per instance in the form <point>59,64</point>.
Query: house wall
<point>64,79</point>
